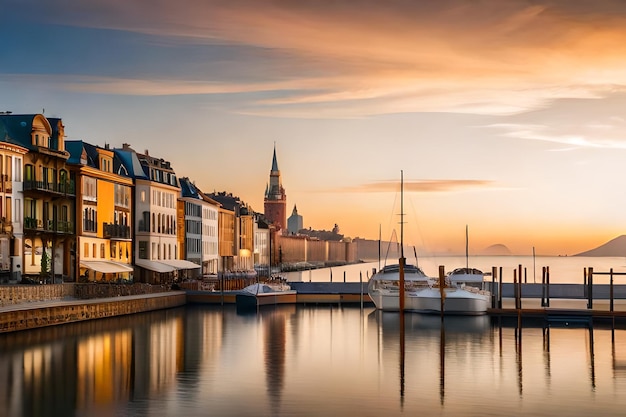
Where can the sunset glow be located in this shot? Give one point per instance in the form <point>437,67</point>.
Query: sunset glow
<point>508,117</point>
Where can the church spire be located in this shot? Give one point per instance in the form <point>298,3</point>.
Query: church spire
<point>274,162</point>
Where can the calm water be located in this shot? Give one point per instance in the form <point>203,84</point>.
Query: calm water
<point>310,361</point>
<point>563,269</point>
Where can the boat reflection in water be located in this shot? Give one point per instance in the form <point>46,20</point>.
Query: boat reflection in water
<point>326,360</point>
<point>425,329</point>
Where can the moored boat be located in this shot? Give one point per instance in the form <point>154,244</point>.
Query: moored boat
<point>464,292</point>
<point>384,287</point>
<point>265,293</point>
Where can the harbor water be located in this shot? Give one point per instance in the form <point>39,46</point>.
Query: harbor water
<point>563,269</point>
<point>324,360</point>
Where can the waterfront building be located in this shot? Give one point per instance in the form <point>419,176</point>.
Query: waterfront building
<point>11,203</point>
<point>210,240</point>
<point>236,236</point>
<point>263,232</point>
<point>48,196</point>
<point>198,216</point>
<point>103,205</point>
<point>155,235</point>
<point>294,222</point>
<point>275,202</point>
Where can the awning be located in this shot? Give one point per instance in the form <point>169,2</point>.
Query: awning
<point>179,263</point>
<point>107,267</point>
<point>154,265</point>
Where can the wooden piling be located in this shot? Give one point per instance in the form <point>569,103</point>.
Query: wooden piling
<point>590,290</point>
<point>515,289</point>
<point>611,291</point>
<point>494,293</point>
<point>543,286</point>
<point>442,284</point>
<point>500,289</point>
<point>547,286</point>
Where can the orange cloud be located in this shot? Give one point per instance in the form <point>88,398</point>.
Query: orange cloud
<point>420,186</point>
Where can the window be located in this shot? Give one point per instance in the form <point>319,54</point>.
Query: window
<point>9,212</point>
<point>113,248</point>
<point>90,219</point>
<point>29,172</point>
<point>143,250</point>
<point>86,250</point>
<point>18,169</point>
<point>9,168</point>
<point>90,192</point>
<point>102,251</point>
<point>93,249</point>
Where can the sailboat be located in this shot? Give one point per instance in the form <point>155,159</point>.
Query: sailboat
<point>386,286</point>
<point>464,291</point>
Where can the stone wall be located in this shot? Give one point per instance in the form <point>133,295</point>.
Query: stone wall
<point>87,291</point>
<point>74,311</point>
<point>18,294</point>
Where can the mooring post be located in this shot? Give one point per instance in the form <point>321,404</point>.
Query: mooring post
<point>442,284</point>
<point>611,291</point>
<point>547,289</point>
<point>361,287</point>
<point>515,289</point>
<point>543,286</point>
<point>500,289</point>
<point>494,292</point>
<point>520,286</point>
<point>590,292</point>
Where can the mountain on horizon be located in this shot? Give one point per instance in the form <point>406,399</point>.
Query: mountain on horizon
<point>615,247</point>
<point>496,250</point>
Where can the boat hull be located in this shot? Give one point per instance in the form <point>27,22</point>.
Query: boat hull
<point>455,301</point>
<point>266,299</point>
<point>390,301</point>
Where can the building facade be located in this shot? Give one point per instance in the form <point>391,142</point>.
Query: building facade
<point>104,236</point>
<point>48,196</point>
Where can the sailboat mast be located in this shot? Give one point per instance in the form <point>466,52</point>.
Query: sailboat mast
<point>402,214</point>
<point>466,247</point>
<point>401,260</point>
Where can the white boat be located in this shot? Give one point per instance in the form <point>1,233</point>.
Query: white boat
<point>265,293</point>
<point>384,287</point>
<point>464,292</point>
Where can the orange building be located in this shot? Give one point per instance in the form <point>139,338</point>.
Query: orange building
<point>104,246</point>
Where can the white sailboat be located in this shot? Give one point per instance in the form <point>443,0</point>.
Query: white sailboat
<point>464,291</point>
<point>387,284</point>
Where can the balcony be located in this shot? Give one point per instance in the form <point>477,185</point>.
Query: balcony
<point>55,226</point>
<point>61,188</point>
<point>116,231</point>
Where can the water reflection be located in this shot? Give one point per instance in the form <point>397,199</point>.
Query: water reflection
<point>309,361</point>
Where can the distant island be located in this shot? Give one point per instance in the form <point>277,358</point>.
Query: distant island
<point>615,247</point>
<point>496,250</point>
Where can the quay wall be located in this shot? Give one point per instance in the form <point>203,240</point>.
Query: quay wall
<point>19,294</point>
<point>44,314</point>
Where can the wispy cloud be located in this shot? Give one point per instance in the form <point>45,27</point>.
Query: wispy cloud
<point>419,186</point>
<point>490,57</point>
<point>573,123</point>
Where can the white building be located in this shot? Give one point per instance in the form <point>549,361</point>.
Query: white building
<point>156,203</point>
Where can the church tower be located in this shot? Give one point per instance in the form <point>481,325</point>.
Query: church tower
<point>275,203</point>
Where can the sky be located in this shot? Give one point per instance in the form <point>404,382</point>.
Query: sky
<point>505,117</point>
